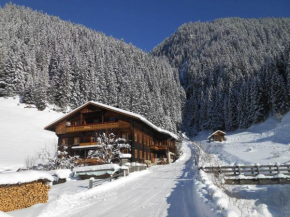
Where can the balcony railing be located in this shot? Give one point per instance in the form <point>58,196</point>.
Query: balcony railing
<point>87,143</point>
<point>87,127</point>
<point>94,126</point>
<point>158,147</point>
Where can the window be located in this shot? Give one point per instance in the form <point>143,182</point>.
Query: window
<point>76,140</point>
<point>135,136</point>
<point>140,138</point>
<point>136,153</point>
<point>140,154</point>
<point>64,141</point>
<point>125,151</point>
<point>145,155</point>
<point>112,118</point>
<point>125,136</point>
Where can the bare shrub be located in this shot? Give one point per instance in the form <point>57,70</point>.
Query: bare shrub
<point>276,154</point>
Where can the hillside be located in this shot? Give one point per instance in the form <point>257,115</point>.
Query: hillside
<point>263,143</point>
<point>46,60</point>
<point>22,132</point>
<point>236,72</point>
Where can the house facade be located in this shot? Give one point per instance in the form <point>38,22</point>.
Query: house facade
<point>78,129</point>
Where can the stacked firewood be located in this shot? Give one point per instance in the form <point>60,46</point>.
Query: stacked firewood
<point>20,196</point>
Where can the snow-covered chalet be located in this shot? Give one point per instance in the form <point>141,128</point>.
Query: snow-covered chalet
<point>77,129</point>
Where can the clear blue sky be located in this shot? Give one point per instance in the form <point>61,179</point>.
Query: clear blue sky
<point>146,23</point>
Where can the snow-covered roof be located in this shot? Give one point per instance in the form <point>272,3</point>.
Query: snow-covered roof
<point>23,177</point>
<point>134,115</point>
<point>61,173</point>
<point>98,167</point>
<point>215,133</point>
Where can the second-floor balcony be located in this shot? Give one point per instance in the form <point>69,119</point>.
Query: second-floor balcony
<point>158,147</point>
<point>92,126</point>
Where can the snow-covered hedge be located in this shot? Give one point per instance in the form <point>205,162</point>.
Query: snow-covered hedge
<point>24,177</point>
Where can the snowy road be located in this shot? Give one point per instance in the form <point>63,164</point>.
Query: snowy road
<point>161,191</point>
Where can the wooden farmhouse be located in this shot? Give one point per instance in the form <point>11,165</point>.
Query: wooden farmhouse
<point>217,136</point>
<point>77,130</point>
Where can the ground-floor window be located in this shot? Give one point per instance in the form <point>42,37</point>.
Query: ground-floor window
<point>76,140</point>
<point>64,141</point>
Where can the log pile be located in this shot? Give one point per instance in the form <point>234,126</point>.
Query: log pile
<point>19,196</point>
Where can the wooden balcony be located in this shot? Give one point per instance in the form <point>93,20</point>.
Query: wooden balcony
<point>88,143</point>
<point>158,148</point>
<point>88,127</point>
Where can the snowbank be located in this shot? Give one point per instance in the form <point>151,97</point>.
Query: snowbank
<point>98,167</point>
<point>23,177</point>
<point>219,200</point>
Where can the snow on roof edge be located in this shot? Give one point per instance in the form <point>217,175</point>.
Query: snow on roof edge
<point>140,117</point>
<point>214,133</point>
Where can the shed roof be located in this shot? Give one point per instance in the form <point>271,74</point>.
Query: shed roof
<point>118,110</point>
<point>218,131</point>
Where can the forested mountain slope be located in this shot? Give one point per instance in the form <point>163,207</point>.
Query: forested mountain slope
<point>235,71</point>
<point>46,60</point>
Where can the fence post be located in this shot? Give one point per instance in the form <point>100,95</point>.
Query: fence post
<point>220,169</point>
<point>258,169</point>
<point>124,173</point>
<point>91,180</point>
<point>239,170</point>
<point>235,173</point>
<point>278,169</point>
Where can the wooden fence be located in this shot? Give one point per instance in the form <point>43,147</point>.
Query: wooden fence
<point>95,182</point>
<point>251,170</point>
<point>252,174</point>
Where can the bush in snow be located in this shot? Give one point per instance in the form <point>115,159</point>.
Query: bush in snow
<point>51,158</point>
<point>109,148</point>
<point>178,144</point>
<point>276,154</point>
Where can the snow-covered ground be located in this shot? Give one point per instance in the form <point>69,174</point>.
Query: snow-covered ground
<point>22,133</point>
<point>268,142</point>
<point>166,190</point>
<point>264,143</point>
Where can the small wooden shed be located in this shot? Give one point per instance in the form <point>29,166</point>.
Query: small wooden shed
<point>218,136</point>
